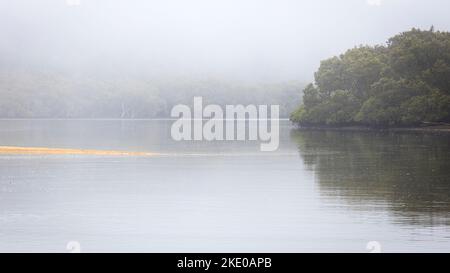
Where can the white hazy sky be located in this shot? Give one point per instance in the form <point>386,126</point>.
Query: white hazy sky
<point>270,40</point>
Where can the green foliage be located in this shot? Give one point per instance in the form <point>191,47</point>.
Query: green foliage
<point>338,109</point>
<point>403,83</point>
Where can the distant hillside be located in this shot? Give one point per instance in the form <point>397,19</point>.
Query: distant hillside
<point>31,93</point>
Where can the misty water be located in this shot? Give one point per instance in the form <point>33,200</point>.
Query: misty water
<point>320,191</point>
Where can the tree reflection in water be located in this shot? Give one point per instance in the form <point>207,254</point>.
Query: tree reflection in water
<point>407,173</point>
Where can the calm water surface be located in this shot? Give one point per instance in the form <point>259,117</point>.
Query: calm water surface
<point>321,191</point>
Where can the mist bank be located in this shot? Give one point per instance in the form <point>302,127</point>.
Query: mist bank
<point>403,83</point>
<point>32,93</point>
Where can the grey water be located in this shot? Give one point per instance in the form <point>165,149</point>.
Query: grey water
<point>321,191</point>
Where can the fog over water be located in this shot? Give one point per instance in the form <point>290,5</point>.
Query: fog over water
<point>248,40</point>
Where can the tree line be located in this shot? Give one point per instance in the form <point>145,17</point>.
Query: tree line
<point>36,93</point>
<point>403,83</point>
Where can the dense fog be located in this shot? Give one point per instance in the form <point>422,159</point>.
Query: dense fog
<point>97,58</point>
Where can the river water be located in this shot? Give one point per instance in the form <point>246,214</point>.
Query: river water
<point>321,191</point>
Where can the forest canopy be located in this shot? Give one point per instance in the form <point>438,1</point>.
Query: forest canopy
<point>403,83</point>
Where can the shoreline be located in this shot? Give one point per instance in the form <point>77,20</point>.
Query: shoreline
<point>438,129</point>
<point>14,150</point>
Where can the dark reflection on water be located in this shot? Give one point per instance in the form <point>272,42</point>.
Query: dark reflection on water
<point>409,172</point>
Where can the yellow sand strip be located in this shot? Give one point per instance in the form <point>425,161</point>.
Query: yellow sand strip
<point>55,151</point>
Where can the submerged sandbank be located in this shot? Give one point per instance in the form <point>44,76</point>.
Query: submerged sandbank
<point>57,151</point>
